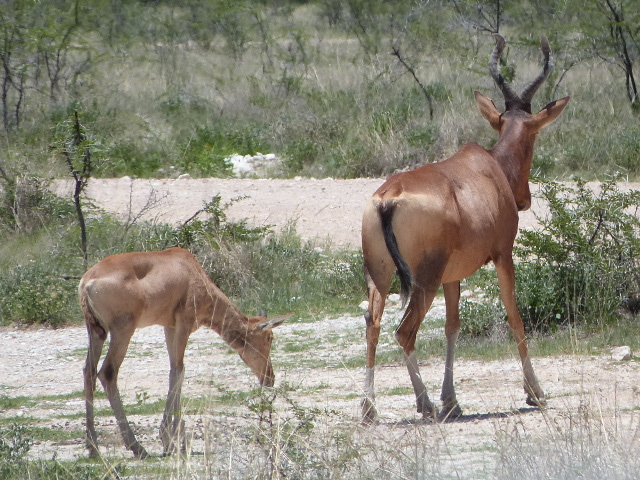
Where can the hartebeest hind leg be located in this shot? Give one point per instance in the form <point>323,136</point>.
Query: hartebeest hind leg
<point>506,280</point>
<point>96,342</point>
<point>172,425</point>
<point>425,289</point>
<point>450,406</point>
<point>372,318</point>
<point>108,375</point>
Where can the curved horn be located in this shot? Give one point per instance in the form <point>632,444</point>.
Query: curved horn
<point>530,91</point>
<point>511,99</point>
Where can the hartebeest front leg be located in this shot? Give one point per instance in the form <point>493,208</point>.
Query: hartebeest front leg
<point>450,406</point>
<point>172,425</point>
<point>506,280</point>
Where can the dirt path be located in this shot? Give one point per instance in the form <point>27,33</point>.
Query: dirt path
<point>321,209</point>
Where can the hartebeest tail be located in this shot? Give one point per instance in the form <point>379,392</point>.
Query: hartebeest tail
<point>441,222</point>
<point>385,210</point>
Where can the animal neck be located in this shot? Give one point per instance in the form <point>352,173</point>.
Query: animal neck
<point>217,312</point>
<point>514,154</point>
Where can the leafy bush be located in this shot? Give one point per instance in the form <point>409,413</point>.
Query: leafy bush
<point>481,318</point>
<point>261,269</point>
<point>290,274</point>
<point>582,264</point>
<point>27,205</point>
<point>35,293</point>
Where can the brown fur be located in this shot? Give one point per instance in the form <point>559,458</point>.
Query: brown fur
<point>440,223</point>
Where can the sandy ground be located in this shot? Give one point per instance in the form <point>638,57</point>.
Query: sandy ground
<point>312,357</point>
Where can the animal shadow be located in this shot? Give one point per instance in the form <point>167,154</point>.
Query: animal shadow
<point>472,417</point>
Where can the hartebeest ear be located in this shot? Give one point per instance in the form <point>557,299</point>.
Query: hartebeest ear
<point>272,322</point>
<point>549,113</point>
<point>488,110</point>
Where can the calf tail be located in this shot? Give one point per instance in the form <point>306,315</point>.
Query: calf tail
<point>93,323</point>
<point>386,211</point>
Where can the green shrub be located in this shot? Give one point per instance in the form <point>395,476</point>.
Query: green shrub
<point>294,275</point>
<point>206,151</point>
<point>582,264</point>
<point>27,205</point>
<point>481,318</point>
<point>35,293</point>
<point>260,269</point>
<point>128,157</point>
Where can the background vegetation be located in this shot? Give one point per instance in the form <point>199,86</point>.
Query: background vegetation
<point>172,87</point>
<point>160,88</point>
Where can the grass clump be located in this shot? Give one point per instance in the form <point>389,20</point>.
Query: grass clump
<point>15,444</point>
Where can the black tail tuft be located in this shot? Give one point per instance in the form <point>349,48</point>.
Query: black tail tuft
<point>386,210</point>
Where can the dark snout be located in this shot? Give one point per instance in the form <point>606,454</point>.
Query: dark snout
<point>524,205</point>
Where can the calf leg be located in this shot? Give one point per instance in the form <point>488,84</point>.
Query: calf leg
<point>450,407</point>
<point>506,279</point>
<point>172,425</point>
<point>108,376</point>
<point>96,342</point>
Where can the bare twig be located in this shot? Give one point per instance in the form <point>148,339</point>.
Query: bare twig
<point>153,200</point>
<point>396,53</point>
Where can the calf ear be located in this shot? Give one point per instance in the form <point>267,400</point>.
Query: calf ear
<point>273,322</point>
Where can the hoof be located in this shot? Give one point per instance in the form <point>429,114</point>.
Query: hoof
<point>533,401</point>
<point>369,413</point>
<point>140,453</point>
<point>450,412</point>
<point>427,409</point>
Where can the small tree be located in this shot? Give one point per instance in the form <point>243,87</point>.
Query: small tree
<point>612,26</point>
<point>34,37</point>
<point>78,150</point>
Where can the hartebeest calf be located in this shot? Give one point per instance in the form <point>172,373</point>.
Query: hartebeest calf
<point>133,290</point>
<point>441,222</point>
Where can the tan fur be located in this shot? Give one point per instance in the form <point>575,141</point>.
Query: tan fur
<point>169,288</point>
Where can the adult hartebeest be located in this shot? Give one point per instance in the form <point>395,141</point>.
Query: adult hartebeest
<point>441,222</point>
<point>133,290</point>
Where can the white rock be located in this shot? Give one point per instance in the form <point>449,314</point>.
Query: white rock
<point>394,298</point>
<point>364,305</point>
<point>184,176</point>
<point>621,354</point>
